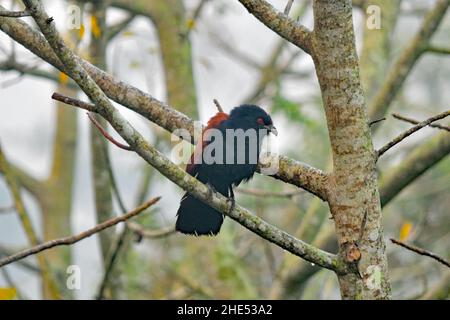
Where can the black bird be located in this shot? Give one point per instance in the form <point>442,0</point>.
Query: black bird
<point>218,168</point>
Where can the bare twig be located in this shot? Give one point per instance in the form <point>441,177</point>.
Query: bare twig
<point>410,131</point>
<point>74,239</point>
<point>14,14</point>
<point>74,102</point>
<point>107,135</point>
<point>406,119</point>
<point>91,108</point>
<point>406,61</point>
<point>371,123</point>
<point>4,252</point>
<point>438,50</point>
<point>219,107</point>
<point>422,252</point>
<point>288,7</point>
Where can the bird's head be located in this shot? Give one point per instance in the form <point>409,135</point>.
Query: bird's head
<point>250,116</point>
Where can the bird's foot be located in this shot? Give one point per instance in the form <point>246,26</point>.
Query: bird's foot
<point>231,201</point>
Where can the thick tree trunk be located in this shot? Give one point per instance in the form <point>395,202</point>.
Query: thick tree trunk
<point>355,188</point>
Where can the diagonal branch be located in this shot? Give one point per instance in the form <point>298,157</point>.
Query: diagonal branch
<point>116,29</point>
<point>4,252</point>
<point>74,239</point>
<point>413,121</point>
<point>164,165</point>
<point>410,131</point>
<point>14,14</point>
<point>288,7</point>
<point>151,234</point>
<point>25,180</point>
<point>422,252</point>
<point>280,23</point>
<point>422,158</point>
<point>290,171</point>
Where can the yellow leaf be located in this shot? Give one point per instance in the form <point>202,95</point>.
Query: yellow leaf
<point>63,78</point>
<point>190,23</point>
<point>7,293</point>
<point>81,32</point>
<point>405,231</point>
<point>95,28</point>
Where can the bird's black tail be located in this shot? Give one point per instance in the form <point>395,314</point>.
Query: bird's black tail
<point>195,217</point>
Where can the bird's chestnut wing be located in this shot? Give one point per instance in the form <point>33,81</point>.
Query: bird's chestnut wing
<point>196,156</point>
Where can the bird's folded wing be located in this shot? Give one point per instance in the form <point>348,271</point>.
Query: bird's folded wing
<point>196,156</point>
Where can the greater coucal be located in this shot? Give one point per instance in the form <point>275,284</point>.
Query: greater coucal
<point>232,160</point>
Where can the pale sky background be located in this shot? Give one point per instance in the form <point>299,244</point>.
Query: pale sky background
<point>26,112</point>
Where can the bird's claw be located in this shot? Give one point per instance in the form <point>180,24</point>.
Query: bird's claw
<point>232,203</point>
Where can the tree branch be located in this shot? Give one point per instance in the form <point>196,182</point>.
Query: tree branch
<point>151,234</point>
<point>438,50</point>
<point>23,69</point>
<point>74,239</point>
<point>280,23</point>
<point>407,60</point>
<point>107,135</point>
<point>410,131</point>
<point>266,193</point>
<point>219,202</point>
<point>288,7</point>
<point>410,120</point>
<point>422,252</point>
<point>164,165</point>
<point>394,180</point>
<point>299,174</point>
<point>14,14</point>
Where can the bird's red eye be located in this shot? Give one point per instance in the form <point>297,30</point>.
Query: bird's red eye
<point>260,121</point>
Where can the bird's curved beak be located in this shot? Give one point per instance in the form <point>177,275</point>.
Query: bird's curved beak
<point>271,128</point>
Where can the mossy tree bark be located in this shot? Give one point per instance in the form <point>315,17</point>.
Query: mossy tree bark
<point>354,193</point>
